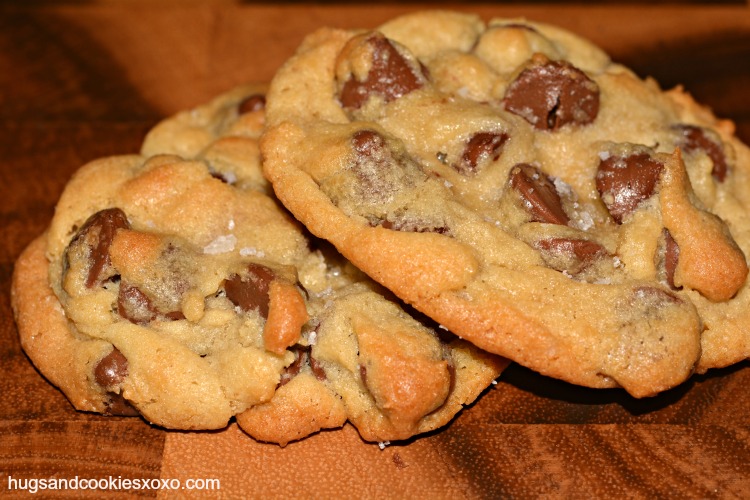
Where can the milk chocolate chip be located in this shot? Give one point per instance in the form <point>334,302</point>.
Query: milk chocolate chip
<point>97,234</point>
<point>249,291</point>
<point>551,94</point>
<point>538,194</point>
<point>695,138</point>
<point>111,370</point>
<point>251,104</point>
<point>390,75</point>
<point>624,181</point>
<point>481,147</point>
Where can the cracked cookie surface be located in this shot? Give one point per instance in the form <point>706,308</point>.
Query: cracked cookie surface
<point>513,183</point>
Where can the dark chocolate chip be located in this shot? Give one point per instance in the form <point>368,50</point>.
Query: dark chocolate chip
<point>552,94</point>
<point>696,138</point>
<point>481,146</point>
<point>252,103</point>
<point>624,181</point>
<point>390,76</point>
<point>97,234</point>
<point>249,291</point>
<point>111,370</point>
<point>538,194</point>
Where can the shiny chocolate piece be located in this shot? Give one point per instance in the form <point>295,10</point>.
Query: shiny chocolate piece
<point>97,234</point>
<point>624,181</point>
<point>483,146</point>
<point>390,75</point>
<point>251,104</point>
<point>552,94</point>
<point>111,370</point>
<point>249,291</point>
<point>538,194</point>
<point>694,138</point>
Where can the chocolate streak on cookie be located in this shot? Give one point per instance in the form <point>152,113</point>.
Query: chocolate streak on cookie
<point>97,234</point>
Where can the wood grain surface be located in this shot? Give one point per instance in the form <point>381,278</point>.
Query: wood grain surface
<point>81,81</point>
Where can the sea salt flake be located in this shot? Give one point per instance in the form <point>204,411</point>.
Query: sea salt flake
<point>222,244</point>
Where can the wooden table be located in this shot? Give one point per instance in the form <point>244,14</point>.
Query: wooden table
<point>81,81</point>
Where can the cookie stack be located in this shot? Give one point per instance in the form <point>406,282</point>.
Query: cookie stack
<point>374,236</point>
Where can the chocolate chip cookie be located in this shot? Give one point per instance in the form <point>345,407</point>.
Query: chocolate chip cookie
<point>177,289</point>
<point>526,192</point>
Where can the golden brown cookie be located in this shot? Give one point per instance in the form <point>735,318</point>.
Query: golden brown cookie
<point>517,186</point>
<point>179,290</point>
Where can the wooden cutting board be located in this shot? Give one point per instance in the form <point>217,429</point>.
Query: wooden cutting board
<point>78,82</point>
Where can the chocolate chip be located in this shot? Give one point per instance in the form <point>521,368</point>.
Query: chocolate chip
<point>97,234</point>
<point>390,76</point>
<point>551,94</point>
<point>363,374</point>
<point>584,252</point>
<point>134,305</point>
<point>249,291</point>
<point>694,138</point>
<point>367,142</point>
<point>481,146</point>
<point>538,194</point>
<point>671,256</point>
<point>111,370</point>
<point>624,181</point>
<point>252,103</point>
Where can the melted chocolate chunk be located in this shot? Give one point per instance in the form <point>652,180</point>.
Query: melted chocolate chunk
<point>624,182</point>
<point>97,234</point>
<point>671,256</point>
<point>251,104</point>
<point>552,94</point>
<point>390,76</point>
<point>134,305</point>
<point>111,370</point>
<point>249,291</point>
<point>585,252</point>
<point>695,138</point>
<point>538,194</point>
<point>481,146</point>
